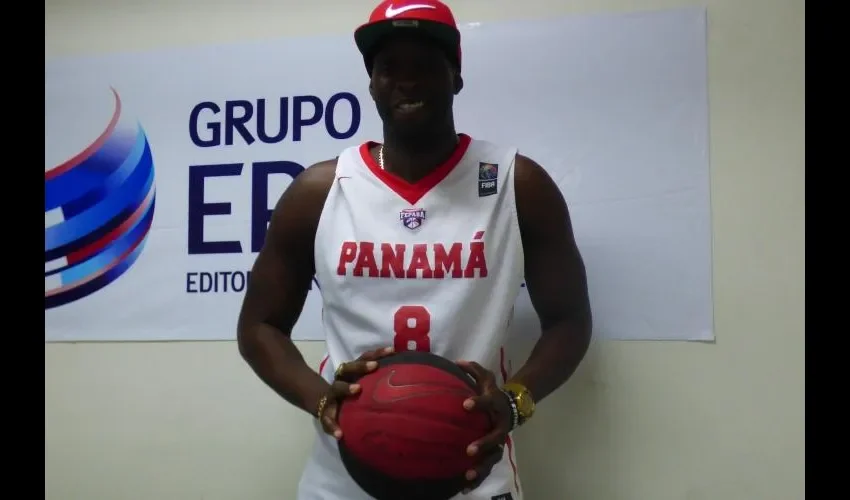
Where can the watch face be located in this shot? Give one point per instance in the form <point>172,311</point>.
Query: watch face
<point>524,404</point>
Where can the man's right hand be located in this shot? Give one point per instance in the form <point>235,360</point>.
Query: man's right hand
<point>343,386</point>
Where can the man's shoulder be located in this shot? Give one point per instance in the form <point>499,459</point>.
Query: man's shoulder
<point>308,191</point>
<point>527,169</point>
<point>322,174</point>
<point>317,178</point>
<point>322,169</point>
<point>537,194</point>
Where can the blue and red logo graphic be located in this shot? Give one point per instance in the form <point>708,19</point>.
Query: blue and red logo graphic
<point>412,218</point>
<point>98,209</point>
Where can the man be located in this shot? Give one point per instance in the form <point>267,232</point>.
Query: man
<point>419,243</point>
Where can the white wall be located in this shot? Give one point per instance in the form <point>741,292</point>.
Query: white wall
<point>640,421</point>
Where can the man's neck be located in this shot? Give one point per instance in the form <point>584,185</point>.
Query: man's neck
<point>414,158</point>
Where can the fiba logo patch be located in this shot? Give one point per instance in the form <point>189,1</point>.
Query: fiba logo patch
<point>488,175</point>
<point>98,199</point>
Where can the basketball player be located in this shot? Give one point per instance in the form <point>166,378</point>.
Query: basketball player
<point>420,242</point>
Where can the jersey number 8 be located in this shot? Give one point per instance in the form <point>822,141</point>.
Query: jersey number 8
<point>412,324</point>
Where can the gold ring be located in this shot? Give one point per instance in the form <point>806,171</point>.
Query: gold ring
<point>339,370</point>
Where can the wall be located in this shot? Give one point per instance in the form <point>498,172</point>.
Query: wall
<point>640,421</point>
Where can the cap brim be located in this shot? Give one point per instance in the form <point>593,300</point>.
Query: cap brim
<point>369,36</point>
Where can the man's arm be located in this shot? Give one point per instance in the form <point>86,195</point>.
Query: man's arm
<point>555,278</point>
<point>275,296</point>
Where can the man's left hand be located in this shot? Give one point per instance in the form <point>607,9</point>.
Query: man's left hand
<point>490,399</point>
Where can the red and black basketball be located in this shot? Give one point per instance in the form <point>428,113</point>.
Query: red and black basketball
<point>405,434</point>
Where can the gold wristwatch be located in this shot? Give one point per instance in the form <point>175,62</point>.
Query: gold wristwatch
<point>522,397</point>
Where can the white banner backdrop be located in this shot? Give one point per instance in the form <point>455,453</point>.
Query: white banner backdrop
<point>161,168</point>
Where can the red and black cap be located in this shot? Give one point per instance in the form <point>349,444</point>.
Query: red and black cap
<point>430,18</point>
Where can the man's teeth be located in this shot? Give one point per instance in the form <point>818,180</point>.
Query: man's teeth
<point>408,106</point>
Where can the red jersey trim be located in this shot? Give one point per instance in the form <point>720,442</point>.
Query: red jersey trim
<point>413,192</point>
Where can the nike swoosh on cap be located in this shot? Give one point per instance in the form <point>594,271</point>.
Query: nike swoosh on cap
<point>392,11</point>
<point>387,392</point>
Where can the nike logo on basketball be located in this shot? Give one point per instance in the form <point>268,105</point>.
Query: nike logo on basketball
<point>386,391</point>
<point>392,12</point>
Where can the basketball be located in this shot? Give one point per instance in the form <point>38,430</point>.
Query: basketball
<point>405,434</point>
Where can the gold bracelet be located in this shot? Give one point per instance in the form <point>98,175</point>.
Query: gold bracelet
<point>320,407</point>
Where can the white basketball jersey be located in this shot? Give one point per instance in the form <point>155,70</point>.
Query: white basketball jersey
<point>432,266</point>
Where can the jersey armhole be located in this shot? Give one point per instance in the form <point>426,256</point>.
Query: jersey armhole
<point>511,180</point>
<point>320,224</point>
